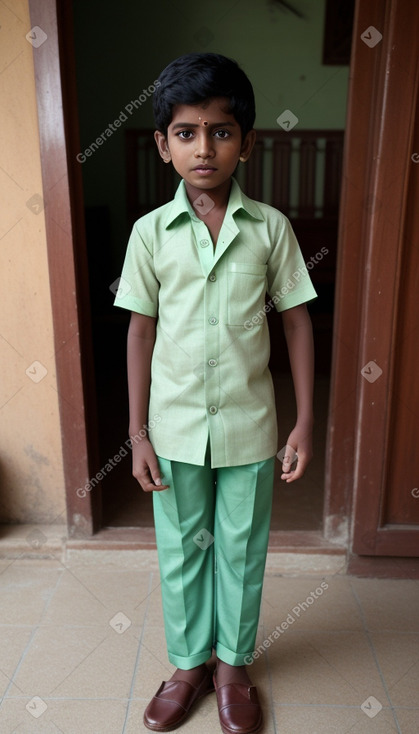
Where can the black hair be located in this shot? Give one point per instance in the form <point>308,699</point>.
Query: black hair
<point>195,77</point>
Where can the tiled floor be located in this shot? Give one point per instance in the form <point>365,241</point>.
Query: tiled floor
<point>82,650</point>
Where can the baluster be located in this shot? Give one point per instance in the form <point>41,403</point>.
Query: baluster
<point>281,175</point>
<point>307,178</point>
<point>254,172</point>
<point>332,176</point>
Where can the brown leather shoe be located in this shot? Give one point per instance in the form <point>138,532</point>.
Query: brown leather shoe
<point>173,702</point>
<point>239,708</point>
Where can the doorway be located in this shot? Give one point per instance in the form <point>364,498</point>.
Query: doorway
<point>365,510</point>
<point>110,110</point>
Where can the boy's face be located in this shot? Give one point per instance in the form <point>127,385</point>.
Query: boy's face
<point>204,143</point>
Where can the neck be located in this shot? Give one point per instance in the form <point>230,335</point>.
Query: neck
<point>219,194</point>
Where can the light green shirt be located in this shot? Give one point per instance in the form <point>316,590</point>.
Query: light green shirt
<point>210,375</point>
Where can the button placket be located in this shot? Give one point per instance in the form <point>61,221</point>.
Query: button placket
<point>203,245</point>
<point>212,351</point>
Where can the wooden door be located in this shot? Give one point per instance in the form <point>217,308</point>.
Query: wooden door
<point>373,449</point>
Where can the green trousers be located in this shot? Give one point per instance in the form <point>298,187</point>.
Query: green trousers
<point>212,529</point>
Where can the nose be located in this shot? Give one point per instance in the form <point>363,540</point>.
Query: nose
<point>203,147</point>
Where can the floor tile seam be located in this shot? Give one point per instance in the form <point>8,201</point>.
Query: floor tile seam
<point>303,576</point>
<point>269,672</point>
<point>7,562</point>
<point>394,581</point>
<point>17,668</point>
<point>66,568</point>
<point>31,638</point>
<point>138,655</point>
<point>29,696</point>
<point>49,625</point>
<point>285,704</point>
<point>48,562</point>
<point>108,569</point>
<point>389,631</point>
<point>35,630</point>
<point>38,568</point>
<point>327,578</point>
<point>60,576</point>
<point>338,671</point>
<point>351,706</point>
<point>384,580</point>
<point>320,631</point>
<point>374,653</point>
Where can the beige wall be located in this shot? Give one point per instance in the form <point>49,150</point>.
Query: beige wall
<point>31,470</point>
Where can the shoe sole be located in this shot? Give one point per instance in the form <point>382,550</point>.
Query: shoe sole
<point>255,730</point>
<point>249,731</point>
<point>180,721</point>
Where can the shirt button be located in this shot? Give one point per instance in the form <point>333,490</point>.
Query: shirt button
<point>213,410</point>
<point>213,320</point>
<point>212,362</point>
<point>212,277</point>
<point>204,243</point>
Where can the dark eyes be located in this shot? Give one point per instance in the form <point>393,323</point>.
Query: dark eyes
<point>188,134</point>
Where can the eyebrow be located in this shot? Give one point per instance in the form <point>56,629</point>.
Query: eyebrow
<point>195,124</point>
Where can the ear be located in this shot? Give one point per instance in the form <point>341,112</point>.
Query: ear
<point>247,145</point>
<point>162,146</point>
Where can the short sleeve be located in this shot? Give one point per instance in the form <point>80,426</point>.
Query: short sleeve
<point>138,288</point>
<point>289,282</point>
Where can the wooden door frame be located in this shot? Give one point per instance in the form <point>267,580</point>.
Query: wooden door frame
<point>377,169</point>
<point>67,262</point>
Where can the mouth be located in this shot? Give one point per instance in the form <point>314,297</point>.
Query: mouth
<point>204,169</point>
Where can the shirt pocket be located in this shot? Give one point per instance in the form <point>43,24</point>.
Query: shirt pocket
<point>246,284</point>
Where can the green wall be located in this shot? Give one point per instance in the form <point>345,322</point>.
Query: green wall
<point>122,47</point>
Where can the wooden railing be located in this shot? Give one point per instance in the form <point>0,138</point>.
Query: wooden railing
<point>298,172</point>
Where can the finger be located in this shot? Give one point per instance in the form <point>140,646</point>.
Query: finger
<point>287,456</point>
<point>160,487</point>
<point>156,477</point>
<point>289,460</point>
<point>147,482</point>
<point>289,476</point>
<point>148,485</point>
<point>296,473</point>
<point>151,487</point>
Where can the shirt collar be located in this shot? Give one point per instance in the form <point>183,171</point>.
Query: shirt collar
<point>237,201</point>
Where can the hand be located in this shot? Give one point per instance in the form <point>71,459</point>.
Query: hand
<point>299,448</point>
<point>145,467</point>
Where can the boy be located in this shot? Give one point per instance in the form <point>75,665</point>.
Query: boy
<point>196,271</point>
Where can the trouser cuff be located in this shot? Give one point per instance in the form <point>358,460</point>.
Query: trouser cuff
<point>233,658</point>
<point>191,661</point>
